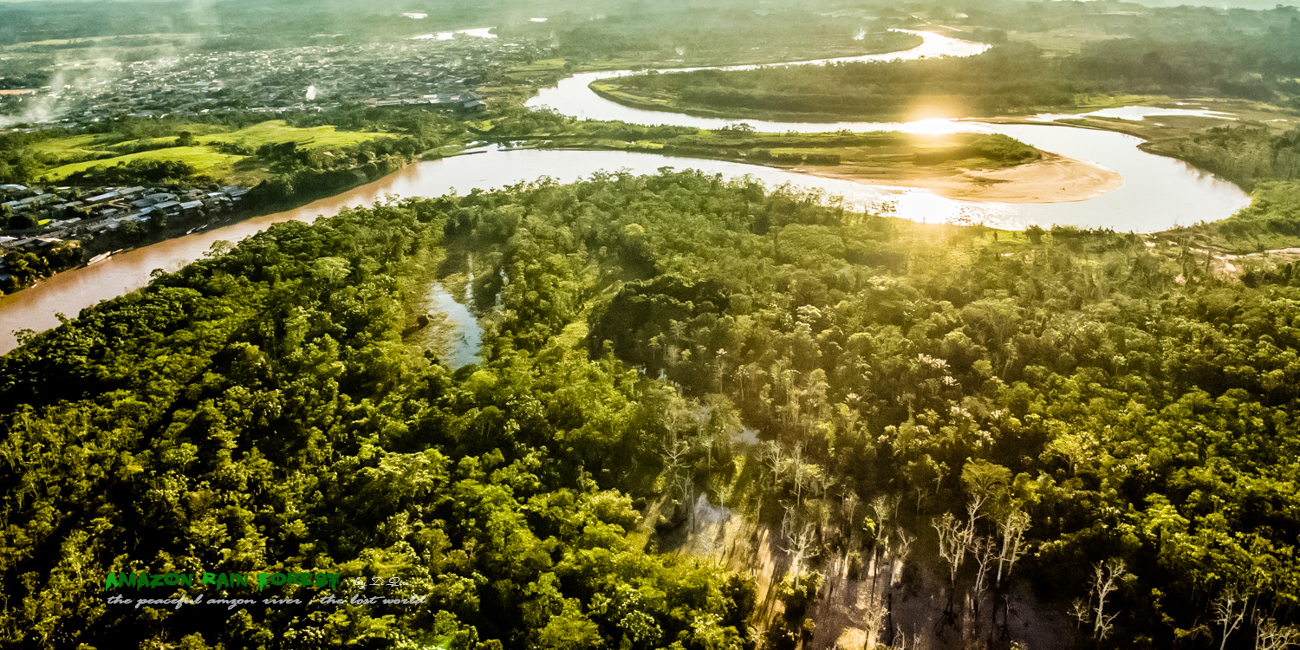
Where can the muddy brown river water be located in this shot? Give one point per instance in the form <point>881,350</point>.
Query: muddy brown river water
<point>1157,192</point>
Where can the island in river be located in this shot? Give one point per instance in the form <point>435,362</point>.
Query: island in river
<point>978,167</point>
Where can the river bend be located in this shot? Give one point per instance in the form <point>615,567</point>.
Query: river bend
<point>1157,193</point>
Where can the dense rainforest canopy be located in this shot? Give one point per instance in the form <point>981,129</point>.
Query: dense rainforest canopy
<point>1116,410</point>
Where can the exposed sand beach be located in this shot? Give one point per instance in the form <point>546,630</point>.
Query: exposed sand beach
<point>1052,179</point>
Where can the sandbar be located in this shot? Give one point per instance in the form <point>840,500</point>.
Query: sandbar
<point>1051,179</point>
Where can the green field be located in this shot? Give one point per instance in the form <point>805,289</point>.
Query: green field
<point>80,153</point>
<point>277,132</point>
<point>204,160</point>
<point>77,148</point>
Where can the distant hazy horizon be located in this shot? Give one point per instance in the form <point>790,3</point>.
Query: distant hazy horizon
<point>1232,4</point>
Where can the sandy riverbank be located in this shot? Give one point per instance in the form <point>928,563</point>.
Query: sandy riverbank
<point>1053,179</point>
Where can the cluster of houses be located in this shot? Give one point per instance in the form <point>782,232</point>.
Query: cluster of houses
<point>437,73</point>
<point>468,101</point>
<point>39,245</point>
<point>69,212</point>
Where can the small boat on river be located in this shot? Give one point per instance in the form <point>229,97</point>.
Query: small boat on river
<point>101,257</point>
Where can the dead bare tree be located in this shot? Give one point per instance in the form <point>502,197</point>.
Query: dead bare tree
<point>972,515</point>
<point>800,547</point>
<point>883,516</point>
<point>1230,610</point>
<point>873,620</point>
<point>774,459</point>
<point>905,540</point>
<point>880,508</point>
<point>686,484</point>
<point>1271,636</point>
<point>921,493</point>
<point>885,508</point>
<point>674,455</point>
<point>850,504</point>
<point>902,638</point>
<point>789,519</point>
<point>849,507</point>
<point>1106,578</point>
<point>1081,611</point>
<point>952,543</point>
<point>1012,529</point>
<point>983,549</point>
<point>801,476</point>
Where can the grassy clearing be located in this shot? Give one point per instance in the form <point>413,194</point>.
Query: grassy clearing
<point>63,151</point>
<point>204,160</point>
<point>74,154</point>
<point>58,152</point>
<point>536,67</point>
<point>573,334</point>
<point>277,132</point>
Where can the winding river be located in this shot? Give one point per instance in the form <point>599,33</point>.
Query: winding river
<point>1158,192</point>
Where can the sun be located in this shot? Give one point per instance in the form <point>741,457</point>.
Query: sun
<point>934,126</point>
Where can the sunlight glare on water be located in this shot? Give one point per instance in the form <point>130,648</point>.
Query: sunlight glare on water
<point>934,126</point>
<point>1158,192</point>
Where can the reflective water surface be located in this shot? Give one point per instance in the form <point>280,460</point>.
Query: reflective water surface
<point>1158,192</point>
